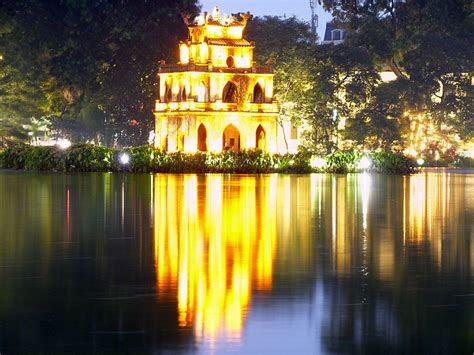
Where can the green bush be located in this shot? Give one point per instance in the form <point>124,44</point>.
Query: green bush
<point>141,158</point>
<point>42,159</point>
<point>249,161</point>
<point>180,163</point>
<point>392,163</point>
<point>88,157</point>
<point>14,157</point>
<point>293,163</point>
<point>461,161</point>
<point>341,162</point>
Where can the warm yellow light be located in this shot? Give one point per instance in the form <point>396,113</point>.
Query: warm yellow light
<point>184,53</point>
<point>204,52</point>
<point>201,92</point>
<point>206,257</point>
<point>317,162</point>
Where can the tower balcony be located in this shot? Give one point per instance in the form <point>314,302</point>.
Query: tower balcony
<point>205,68</point>
<point>214,106</point>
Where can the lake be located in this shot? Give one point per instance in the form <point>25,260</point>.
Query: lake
<point>321,263</point>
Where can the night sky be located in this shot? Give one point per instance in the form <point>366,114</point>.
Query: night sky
<point>299,8</point>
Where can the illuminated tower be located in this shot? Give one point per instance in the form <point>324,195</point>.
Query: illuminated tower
<point>216,98</point>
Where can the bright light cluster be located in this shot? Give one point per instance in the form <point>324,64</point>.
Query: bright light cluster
<point>365,163</point>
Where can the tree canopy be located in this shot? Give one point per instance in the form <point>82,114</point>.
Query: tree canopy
<point>90,65</point>
<point>428,45</point>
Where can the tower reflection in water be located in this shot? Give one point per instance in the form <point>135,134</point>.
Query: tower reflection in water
<point>215,242</point>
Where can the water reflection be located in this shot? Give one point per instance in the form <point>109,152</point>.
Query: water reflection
<point>250,264</point>
<point>215,240</point>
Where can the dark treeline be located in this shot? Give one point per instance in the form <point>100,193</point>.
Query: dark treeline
<point>88,67</point>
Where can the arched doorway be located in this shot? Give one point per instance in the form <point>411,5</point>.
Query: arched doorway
<point>202,138</point>
<point>229,94</point>
<point>231,138</point>
<point>258,94</point>
<point>260,138</point>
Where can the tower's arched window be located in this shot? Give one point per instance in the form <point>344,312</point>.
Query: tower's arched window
<point>168,94</point>
<point>182,95</point>
<point>258,96</point>
<point>229,94</point>
<point>202,138</point>
<point>260,138</point>
<point>201,92</point>
<point>230,62</point>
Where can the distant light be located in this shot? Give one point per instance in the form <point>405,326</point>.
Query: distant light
<point>151,137</point>
<point>365,163</point>
<point>64,143</point>
<point>124,158</point>
<point>317,162</point>
<point>420,161</point>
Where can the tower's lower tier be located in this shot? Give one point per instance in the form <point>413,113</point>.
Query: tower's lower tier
<point>216,131</point>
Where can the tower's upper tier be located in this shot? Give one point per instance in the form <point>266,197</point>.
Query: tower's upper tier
<point>218,40</point>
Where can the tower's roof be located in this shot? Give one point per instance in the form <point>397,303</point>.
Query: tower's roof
<point>228,42</point>
<point>215,18</point>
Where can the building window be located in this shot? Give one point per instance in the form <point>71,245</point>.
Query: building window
<point>229,94</point>
<point>260,138</point>
<point>258,94</point>
<point>336,35</point>
<point>202,138</point>
<point>183,95</point>
<point>230,62</point>
<point>168,94</point>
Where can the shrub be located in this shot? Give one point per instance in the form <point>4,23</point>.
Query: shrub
<point>461,161</point>
<point>14,157</point>
<point>392,163</point>
<point>293,163</point>
<point>342,162</point>
<point>88,157</point>
<point>42,158</point>
<point>141,158</point>
<point>2,160</point>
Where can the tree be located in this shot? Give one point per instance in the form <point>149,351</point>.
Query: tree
<point>88,56</point>
<point>312,82</point>
<point>274,34</point>
<point>428,45</point>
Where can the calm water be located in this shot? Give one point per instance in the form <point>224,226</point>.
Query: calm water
<point>244,264</point>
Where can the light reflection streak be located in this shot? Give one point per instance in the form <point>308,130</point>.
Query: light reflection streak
<point>215,242</point>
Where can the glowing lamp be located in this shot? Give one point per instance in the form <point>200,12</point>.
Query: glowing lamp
<point>64,143</point>
<point>317,162</point>
<point>124,158</point>
<point>365,163</point>
<point>420,161</point>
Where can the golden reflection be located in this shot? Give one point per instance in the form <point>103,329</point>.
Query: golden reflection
<point>215,241</point>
